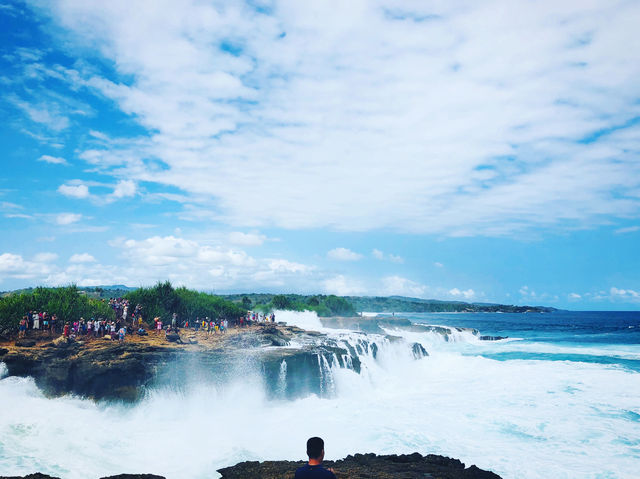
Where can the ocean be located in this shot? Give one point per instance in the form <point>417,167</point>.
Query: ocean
<point>559,398</point>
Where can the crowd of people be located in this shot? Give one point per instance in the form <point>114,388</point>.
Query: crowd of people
<point>127,322</point>
<point>261,317</point>
<point>38,321</point>
<point>206,324</point>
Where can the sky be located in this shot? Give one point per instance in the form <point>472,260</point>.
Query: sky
<point>456,150</point>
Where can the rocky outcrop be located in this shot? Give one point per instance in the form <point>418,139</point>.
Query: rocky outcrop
<point>361,466</point>
<point>38,475</point>
<point>358,466</point>
<point>104,369</point>
<point>110,370</point>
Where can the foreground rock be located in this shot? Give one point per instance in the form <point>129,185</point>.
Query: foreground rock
<point>366,466</point>
<point>38,475</point>
<point>359,466</point>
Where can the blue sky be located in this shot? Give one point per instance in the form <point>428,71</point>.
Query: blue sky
<point>451,150</point>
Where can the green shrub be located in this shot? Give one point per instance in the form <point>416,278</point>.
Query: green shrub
<point>66,302</point>
<point>162,300</point>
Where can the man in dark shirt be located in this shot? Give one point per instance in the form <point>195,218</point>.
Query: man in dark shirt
<point>314,469</point>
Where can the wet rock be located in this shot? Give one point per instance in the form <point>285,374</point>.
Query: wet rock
<point>39,475</point>
<point>361,466</point>
<point>272,336</point>
<point>419,351</point>
<point>25,343</point>
<point>134,476</point>
<point>173,338</point>
<point>492,338</point>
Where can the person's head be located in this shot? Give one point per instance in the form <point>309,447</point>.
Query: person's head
<point>315,448</point>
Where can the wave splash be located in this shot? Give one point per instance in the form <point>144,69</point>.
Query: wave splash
<point>525,419</point>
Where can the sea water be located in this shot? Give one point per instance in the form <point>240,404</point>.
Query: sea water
<point>560,398</point>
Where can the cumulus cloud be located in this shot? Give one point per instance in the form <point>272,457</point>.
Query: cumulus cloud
<point>82,258</point>
<point>574,296</point>
<point>74,191</point>
<point>397,285</point>
<point>438,265</point>
<point>377,254</point>
<point>67,218</point>
<point>15,266</point>
<point>527,293</point>
<point>624,294</point>
<point>467,294</point>
<point>53,160</point>
<point>45,257</point>
<point>343,254</point>
<point>343,286</point>
<point>124,189</point>
<point>246,239</point>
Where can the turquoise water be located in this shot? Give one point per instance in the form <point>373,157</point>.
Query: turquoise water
<point>611,338</point>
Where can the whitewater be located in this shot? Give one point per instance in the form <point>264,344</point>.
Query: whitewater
<point>536,405</point>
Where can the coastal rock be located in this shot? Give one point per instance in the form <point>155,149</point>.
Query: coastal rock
<point>361,466</point>
<point>173,338</point>
<point>418,351</point>
<point>25,343</point>
<point>39,475</point>
<point>492,338</point>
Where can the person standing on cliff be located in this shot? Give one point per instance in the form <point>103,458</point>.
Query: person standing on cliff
<point>314,468</point>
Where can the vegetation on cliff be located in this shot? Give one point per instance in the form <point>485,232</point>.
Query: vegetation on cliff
<point>349,305</point>
<point>323,305</point>
<point>67,303</point>
<point>70,303</point>
<point>163,300</point>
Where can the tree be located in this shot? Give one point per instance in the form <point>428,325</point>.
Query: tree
<point>246,302</point>
<point>280,301</point>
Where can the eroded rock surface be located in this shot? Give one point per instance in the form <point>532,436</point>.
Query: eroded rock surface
<point>366,466</point>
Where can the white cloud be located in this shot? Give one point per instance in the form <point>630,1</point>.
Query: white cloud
<point>67,218</point>
<point>42,112</point>
<point>15,266</point>
<point>82,258</point>
<point>399,286</point>
<point>467,294</point>
<point>389,257</point>
<point>74,191</point>
<point>624,294</point>
<point>343,254</point>
<point>438,265</point>
<point>10,263</point>
<point>6,205</point>
<point>283,265</point>
<point>45,257</point>
<point>630,229</point>
<point>324,115</point>
<point>395,258</point>
<point>53,160</point>
<point>526,292</point>
<point>124,189</point>
<point>246,239</point>
<point>574,296</point>
<point>342,286</point>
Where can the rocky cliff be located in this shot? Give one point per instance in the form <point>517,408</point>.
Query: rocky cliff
<point>367,466</point>
<point>358,466</point>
